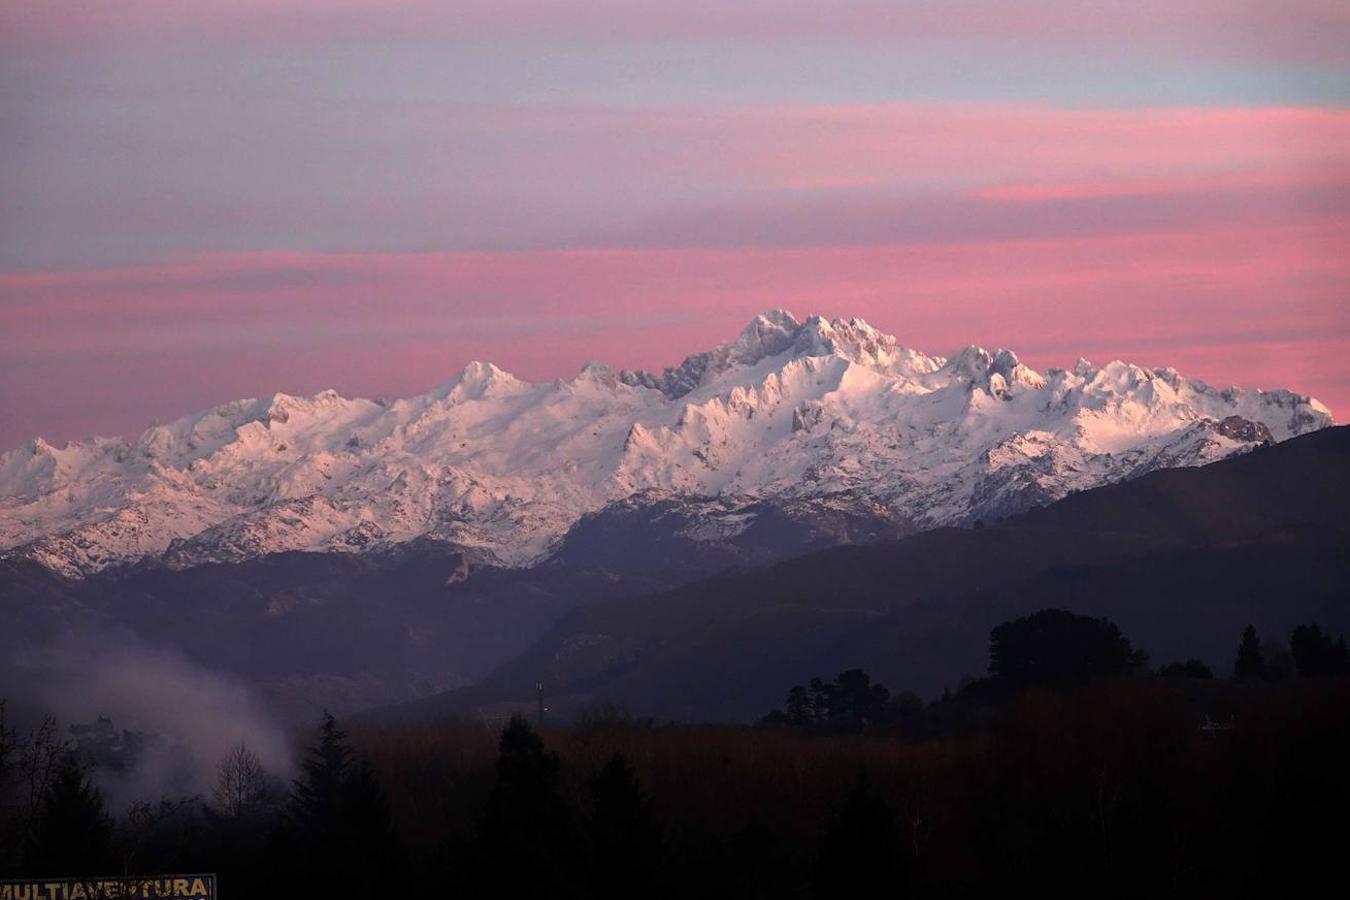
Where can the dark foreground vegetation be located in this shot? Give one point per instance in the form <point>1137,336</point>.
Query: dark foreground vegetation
<point>1073,766</point>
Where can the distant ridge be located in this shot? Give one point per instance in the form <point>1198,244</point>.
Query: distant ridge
<point>811,411</point>
<point>1182,560</point>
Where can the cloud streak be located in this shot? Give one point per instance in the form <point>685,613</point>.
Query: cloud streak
<point>1311,30</point>
<point>1256,304</point>
<point>530,177</point>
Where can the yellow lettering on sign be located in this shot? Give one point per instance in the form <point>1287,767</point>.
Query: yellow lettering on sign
<point>198,887</point>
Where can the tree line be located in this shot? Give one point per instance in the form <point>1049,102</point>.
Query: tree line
<point>1049,648</point>
<point>1070,766</point>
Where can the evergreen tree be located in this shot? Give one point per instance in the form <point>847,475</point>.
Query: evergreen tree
<point>341,822</point>
<point>316,798</point>
<point>1057,647</point>
<point>801,708</point>
<point>626,842</point>
<point>369,833</point>
<point>861,854</point>
<point>852,702</point>
<point>527,837</point>
<point>755,866</point>
<point>72,833</point>
<point>1316,654</point>
<point>1251,662</point>
<point>858,701</point>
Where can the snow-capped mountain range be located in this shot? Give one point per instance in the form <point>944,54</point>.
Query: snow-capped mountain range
<point>817,411</point>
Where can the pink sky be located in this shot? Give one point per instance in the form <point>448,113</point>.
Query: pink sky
<point>1248,305</point>
<point>210,201</point>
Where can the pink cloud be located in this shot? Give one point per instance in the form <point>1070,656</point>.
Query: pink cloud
<point>508,176</point>
<point>899,143</point>
<point>105,351</point>
<point>1314,177</point>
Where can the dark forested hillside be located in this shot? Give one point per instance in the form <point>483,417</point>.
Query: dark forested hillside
<point>310,630</point>
<point>346,630</point>
<point>1174,556</point>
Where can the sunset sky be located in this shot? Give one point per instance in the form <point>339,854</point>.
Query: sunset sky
<point>208,200</point>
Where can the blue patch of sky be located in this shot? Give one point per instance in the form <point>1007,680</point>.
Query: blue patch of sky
<point>791,71</point>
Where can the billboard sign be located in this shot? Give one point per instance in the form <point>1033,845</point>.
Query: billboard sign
<point>150,887</point>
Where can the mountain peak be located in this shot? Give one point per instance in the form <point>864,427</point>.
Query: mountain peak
<point>767,334</point>
<point>852,339</point>
<point>595,373</point>
<point>478,380</point>
<point>477,370</point>
<point>776,332</point>
<point>789,409</point>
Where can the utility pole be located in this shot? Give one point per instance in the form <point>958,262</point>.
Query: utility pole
<point>539,694</point>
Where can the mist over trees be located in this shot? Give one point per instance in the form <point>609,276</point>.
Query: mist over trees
<point>1049,772</point>
<point>241,783</point>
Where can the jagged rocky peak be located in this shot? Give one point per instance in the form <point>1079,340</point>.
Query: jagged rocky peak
<point>777,332</point>
<point>596,373</point>
<point>995,373</point>
<point>1239,429</point>
<point>971,363</point>
<point>850,338</point>
<point>478,380</point>
<point>768,334</point>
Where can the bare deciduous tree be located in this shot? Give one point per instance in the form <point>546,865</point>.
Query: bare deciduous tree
<point>40,759</point>
<point>27,767</point>
<point>241,782</point>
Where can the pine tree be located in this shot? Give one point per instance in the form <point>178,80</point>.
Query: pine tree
<point>72,834</point>
<point>342,822</point>
<point>369,832</point>
<point>527,838</point>
<point>858,701</point>
<point>625,841</point>
<point>1251,662</point>
<point>1316,654</point>
<point>861,854</point>
<point>800,708</point>
<point>316,797</point>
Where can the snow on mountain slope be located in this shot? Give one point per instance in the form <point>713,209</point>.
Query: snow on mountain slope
<point>503,468</point>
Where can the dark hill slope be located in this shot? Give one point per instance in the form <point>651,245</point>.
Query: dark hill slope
<point>1181,558</point>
